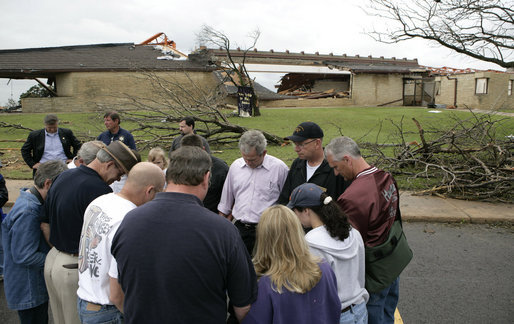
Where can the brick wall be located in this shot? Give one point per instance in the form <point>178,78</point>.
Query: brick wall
<point>377,89</point>
<point>93,91</point>
<point>495,98</point>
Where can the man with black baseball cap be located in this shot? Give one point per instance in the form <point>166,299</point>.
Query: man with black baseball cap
<point>310,166</point>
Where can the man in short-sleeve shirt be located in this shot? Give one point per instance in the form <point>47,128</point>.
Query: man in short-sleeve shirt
<point>100,297</point>
<point>67,200</point>
<point>114,132</point>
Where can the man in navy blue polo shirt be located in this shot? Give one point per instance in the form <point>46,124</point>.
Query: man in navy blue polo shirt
<point>114,132</point>
<point>65,205</point>
<point>178,261</point>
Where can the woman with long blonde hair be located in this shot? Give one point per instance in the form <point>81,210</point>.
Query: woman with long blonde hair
<point>294,286</point>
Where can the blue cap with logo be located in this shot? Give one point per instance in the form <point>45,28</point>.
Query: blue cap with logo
<point>305,195</point>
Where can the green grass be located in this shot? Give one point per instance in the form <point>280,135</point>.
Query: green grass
<point>363,124</point>
<point>507,110</point>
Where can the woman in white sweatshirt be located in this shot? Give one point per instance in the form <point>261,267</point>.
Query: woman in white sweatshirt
<point>333,239</point>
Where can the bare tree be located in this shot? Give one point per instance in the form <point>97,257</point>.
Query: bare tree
<point>173,97</point>
<point>235,70</point>
<point>470,160</point>
<point>481,29</point>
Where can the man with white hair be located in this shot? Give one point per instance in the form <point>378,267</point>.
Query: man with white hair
<point>86,154</point>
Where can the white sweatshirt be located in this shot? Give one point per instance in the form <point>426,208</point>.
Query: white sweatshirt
<point>346,259</point>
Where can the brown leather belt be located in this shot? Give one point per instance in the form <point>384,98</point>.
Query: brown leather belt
<point>347,308</point>
<point>93,307</point>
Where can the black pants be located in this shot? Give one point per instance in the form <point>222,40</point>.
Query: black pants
<point>247,232</point>
<point>36,315</point>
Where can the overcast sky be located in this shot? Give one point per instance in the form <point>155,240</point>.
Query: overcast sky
<point>325,26</point>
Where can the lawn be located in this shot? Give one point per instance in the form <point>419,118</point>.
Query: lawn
<point>363,124</point>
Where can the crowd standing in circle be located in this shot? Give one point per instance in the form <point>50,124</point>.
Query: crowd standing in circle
<point>290,246</point>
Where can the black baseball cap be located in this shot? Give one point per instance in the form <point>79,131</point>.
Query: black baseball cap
<point>305,131</point>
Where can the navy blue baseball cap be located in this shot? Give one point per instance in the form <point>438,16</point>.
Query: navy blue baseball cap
<point>305,195</point>
<point>305,131</point>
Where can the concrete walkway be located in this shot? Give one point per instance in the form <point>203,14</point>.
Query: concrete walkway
<point>413,208</point>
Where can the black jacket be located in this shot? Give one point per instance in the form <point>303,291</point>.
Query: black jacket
<point>33,149</point>
<point>219,172</point>
<point>323,176</point>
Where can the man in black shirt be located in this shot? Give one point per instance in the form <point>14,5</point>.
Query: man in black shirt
<point>219,172</point>
<point>311,165</point>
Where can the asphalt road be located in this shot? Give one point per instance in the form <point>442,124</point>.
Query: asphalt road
<point>459,274</point>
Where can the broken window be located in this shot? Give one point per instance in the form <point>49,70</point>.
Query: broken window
<point>481,86</point>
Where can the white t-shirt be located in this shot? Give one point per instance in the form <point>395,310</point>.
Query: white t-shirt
<point>102,218</point>
<point>116,186</point>
<point>311,170</point>
<point>72,165</point>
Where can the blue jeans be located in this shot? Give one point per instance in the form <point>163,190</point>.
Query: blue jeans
<point>356,315</point>
<point>34,315</point>
<point>381,305</point>
<point>107,314</point>
<point>1,251</point>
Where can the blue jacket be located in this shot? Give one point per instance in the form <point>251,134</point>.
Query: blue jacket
<point>122,135</point>
<point>25,251</point>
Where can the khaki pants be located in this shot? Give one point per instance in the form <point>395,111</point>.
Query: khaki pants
<point>62,285</point>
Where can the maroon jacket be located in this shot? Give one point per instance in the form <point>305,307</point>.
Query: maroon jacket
<point>371,203</point>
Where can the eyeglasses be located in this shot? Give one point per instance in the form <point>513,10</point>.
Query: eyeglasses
<point>302,145</point>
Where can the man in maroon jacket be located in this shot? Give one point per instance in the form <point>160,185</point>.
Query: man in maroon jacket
<point>370,202</point>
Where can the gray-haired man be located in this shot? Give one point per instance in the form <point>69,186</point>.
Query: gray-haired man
<point>371,203</point>
<point>86,154</point>
<point>67,200</point>
<point>253,183</point>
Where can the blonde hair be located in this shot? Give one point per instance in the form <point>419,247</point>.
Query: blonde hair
<point>155,153</point>
<point>282,253</point>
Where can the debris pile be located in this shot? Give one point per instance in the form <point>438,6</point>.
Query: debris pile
<point>314,86</point>
<point>306,94</point>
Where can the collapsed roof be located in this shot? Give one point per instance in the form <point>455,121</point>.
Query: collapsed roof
<point>231,89</point>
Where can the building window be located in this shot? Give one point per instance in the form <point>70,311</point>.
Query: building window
<point>511,82</point>
<point>481,86</point>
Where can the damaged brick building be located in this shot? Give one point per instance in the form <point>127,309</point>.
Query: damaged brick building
<point>101,76</point>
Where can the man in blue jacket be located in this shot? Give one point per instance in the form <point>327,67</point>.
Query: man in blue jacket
<point>26,248</point>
